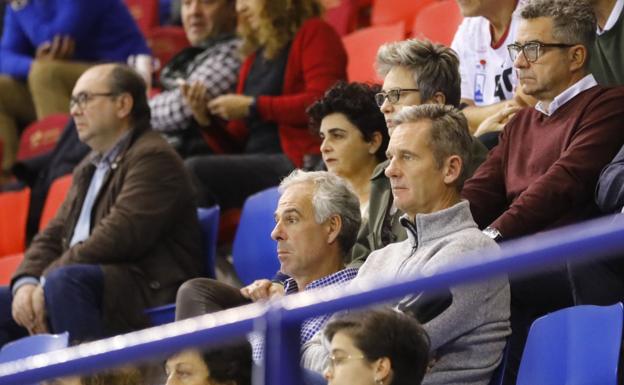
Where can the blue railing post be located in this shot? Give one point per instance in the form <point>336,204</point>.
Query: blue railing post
<point>281,358</point>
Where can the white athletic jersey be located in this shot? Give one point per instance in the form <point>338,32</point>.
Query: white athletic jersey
<point>487,74</point>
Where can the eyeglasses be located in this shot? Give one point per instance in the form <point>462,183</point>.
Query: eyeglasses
<point>83,98</point>
<point>532,50</point>
<point>393,95</point>
<point>333,360</point>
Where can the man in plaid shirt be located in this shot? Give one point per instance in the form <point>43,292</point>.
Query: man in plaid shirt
<point>213,60</point>
<point>316,222</point>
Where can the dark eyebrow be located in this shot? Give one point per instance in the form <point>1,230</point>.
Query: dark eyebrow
<point>334,129</point>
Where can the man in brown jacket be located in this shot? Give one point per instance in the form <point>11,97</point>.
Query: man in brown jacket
<point>127,234</point>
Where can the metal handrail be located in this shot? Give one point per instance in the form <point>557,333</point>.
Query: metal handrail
<point>280,319</point>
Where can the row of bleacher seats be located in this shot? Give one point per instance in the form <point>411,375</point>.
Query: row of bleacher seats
<point>577,345</point>
<point>14,208</point>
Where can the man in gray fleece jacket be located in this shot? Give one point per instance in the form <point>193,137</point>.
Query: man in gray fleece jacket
<point>427,152</point>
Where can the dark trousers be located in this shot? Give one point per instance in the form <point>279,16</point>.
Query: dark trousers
<point>73,300</point>
<point>204,295</point>
<point>227,180</point>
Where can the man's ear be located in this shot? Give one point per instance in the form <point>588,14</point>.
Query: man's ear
<point>578,57</point>
<point>452,169</point>
<point>124,105</point>
<point>375,142</point>
<point>383,370</point>
<point>334,225</point>
<point>437,98</point>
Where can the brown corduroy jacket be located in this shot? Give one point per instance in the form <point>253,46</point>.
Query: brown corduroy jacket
<point>145,234</point>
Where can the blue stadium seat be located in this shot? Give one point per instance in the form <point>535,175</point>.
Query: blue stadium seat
<point>209,224</point>
<point>31,345</point>
<point>576,345</point>
<point>253,251</point>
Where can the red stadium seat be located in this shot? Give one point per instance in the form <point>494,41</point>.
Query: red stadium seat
<point>166,42</point>
<point>56,195</point>
<point>386,12</point>
<point>41,136</point>
<point>13,216</point>
<point>8,265</point>
<point>362,46</point>
<point>145,13</point>
<point>438,22</point>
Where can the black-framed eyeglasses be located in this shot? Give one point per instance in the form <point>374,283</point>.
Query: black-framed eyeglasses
<point>392,95</point>
<point>532,50</point>
<point>83,98</point>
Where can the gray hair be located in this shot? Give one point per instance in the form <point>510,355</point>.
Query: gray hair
<point>435,67</point>
<point>332,195</point>
<point>574,21</point>
<point>449,133</point>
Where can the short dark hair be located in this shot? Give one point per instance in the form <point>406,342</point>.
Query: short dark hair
<point>232,362</point>
<point>124,79</point>
<point>449,133</point>
<point>356,101</point>
<point>574,21</point>
<point>435,67</point>
<point>385,332</point>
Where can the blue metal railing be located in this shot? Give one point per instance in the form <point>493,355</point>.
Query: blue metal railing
<point>280,320</point>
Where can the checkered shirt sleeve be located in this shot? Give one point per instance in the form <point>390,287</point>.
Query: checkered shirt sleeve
<point>218,71</point>
<point>310,326</point>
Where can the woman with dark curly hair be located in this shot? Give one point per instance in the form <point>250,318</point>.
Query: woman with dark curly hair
<point>376,347</point>
<point>229,365</point>
<point>353,133</point>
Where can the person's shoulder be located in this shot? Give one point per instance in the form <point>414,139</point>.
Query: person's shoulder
<point>464,247</point>
<point>473,239</point>
<point>316,25</point>
<point>472,28</point>
<point>608,91</point>
<point>230,42</point>
<point>598,98</point>
<point>379,170</point>
<point>151,143</point>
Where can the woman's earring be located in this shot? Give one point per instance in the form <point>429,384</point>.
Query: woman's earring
<point>379,381</point>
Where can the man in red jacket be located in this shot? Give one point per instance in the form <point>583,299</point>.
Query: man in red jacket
<point>543,173</point>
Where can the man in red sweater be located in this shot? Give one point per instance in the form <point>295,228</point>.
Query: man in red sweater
<point>543,172</point>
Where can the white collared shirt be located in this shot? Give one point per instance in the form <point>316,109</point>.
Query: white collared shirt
<point>584,84</point>
<point>613,17</point>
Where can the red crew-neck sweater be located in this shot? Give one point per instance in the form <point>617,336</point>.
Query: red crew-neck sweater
<point>544,171</point>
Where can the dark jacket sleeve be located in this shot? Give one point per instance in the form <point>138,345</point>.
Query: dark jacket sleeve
<point>610,187</point>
